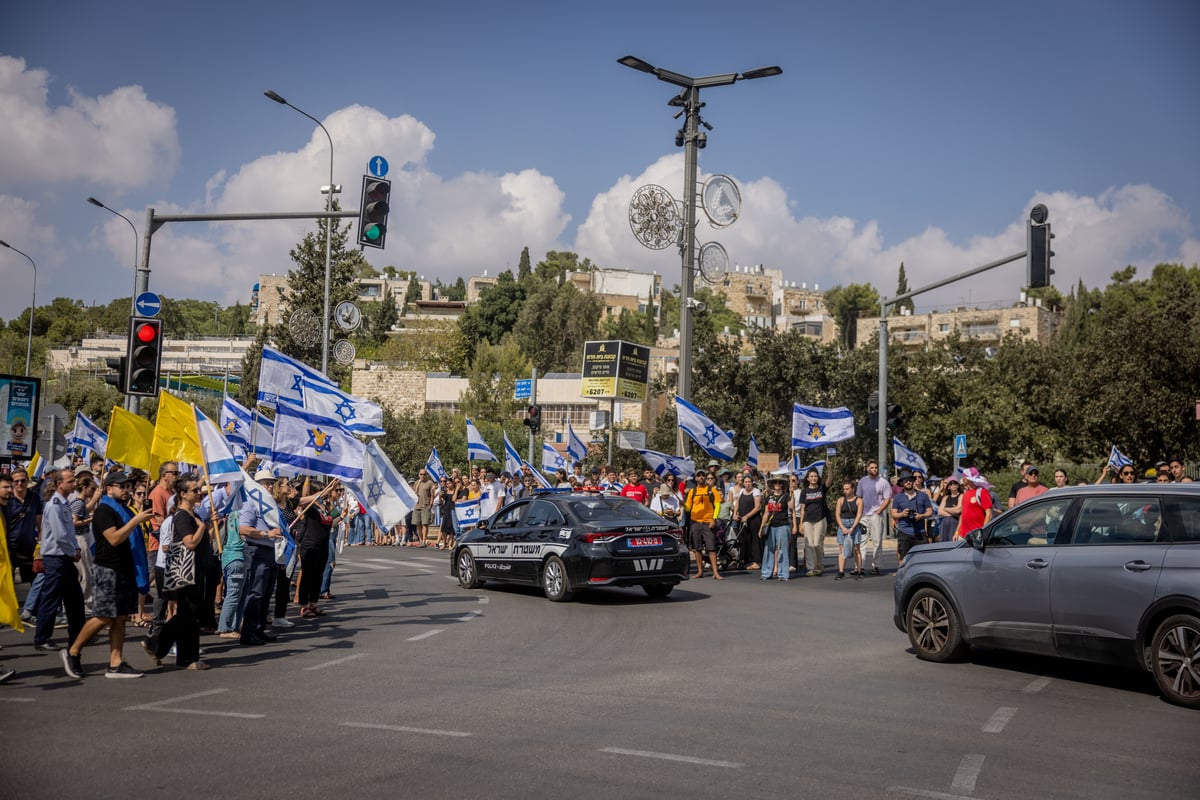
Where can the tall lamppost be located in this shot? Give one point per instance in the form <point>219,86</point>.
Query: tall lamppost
<point>134,294</point>
<point>32,305</point>
<point>692,140</point>
<point>328,229</point>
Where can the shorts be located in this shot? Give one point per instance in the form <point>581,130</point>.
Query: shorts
<point>422,516</point>
<point>904,543</point>
<point>114,595</point>
<point>702,537</point>
<point>848,541</point>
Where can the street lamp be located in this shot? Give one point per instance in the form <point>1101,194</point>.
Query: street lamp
<point>692,140</point>
<point>32,305</point>
<point>328,229</point>
<point>133,296</point>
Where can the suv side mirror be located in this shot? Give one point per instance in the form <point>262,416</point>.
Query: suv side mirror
<point>975,539</point>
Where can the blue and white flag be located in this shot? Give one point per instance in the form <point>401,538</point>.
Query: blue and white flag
<point>817,427</point>
<point>237,422</point>
<point>255,494</point>
<point>312,445</point>
<point>281,378</point>
<point>467,512</point>
<point>577,448</point>
<point>664,465</point>
<point>477,449</point>
<point>752,458</point>
<point>383,492</point>
<point>88,434</point>
<point>907,458</point>
<point>512,459</point>
<point>1116,458</point>
<point>433,465</point>
<point>219,461</point>
<point>356,414</point>
<point>703,431</point>
<point>793,467</point>
<point>552,460</point>
<point>538,478</point>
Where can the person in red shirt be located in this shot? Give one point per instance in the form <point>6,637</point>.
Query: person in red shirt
<point>976,503</point>
<point>636,489</point>
<point>1032,486</point>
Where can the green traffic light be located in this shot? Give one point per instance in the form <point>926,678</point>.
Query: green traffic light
<point>373,231</point>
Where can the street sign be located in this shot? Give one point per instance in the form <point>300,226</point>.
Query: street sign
<point>148,304</point>
<point>615,370</point>
<point>377,166</point>
<point>960,445</point>
<point>523,390</point>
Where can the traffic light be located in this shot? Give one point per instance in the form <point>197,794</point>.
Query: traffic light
<point>143,356</point>
<point>533,419</point>
<point>873,411</point>
<point>117,380</point>
<point>1039,252</point>
<point>893,417</point>
<point>373,212</point>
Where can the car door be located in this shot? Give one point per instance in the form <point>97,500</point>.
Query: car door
<point>500,558</point>
<point>1181,568</point>
<point>1106,576</point>
<point>1005,600</point>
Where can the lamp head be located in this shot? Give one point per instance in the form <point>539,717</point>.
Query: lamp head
<point>274,96</point>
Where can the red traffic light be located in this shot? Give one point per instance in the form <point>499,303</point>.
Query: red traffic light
<point>147,332</point>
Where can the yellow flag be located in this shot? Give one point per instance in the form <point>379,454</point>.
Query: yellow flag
<point>34,466</point>
<point>129,439</point>
<point>175,435</point>
<point>10,614</point>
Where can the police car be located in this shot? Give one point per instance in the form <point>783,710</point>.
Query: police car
<point>565,542</point>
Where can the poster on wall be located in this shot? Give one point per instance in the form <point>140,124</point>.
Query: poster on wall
<point>19,401</point>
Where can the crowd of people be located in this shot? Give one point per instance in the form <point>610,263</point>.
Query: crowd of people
<point>93,542</point>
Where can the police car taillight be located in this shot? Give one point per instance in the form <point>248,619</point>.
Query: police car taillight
<point>678,534</point>
<point>602,537</point>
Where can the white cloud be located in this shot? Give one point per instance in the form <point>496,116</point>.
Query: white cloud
<point>121,138</point>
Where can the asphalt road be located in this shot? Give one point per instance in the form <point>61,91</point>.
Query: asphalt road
<point>413,687</point>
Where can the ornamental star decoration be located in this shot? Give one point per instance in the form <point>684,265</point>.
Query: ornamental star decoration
<point>318,440</point>
<point>815,431</point>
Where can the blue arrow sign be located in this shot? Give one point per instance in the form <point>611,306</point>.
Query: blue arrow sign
<point>523,390</point>
<point>377,166</point>
<point>960,445</point>
<point>148,304</point>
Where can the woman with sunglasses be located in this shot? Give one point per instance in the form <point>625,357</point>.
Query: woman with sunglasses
<point>1125,474</point>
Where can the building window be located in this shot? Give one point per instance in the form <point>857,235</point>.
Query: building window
<point>943,327</point>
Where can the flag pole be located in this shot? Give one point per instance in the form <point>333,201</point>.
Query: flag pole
<point>212,504</point>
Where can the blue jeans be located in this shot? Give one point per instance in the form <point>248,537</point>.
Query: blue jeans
<point>260,571</point>
<point>231,605</point>
<point>359,529</point>
<point>35,591</point>
<point>776,540</point>
<point>328,574</point>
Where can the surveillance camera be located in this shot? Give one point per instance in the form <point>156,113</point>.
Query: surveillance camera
<point>695,304</point>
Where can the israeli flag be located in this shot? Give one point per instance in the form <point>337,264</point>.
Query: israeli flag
<point>219,461</point>
<point>793,467</point>
<point>512,459</point>
<point>552,460</point>
<point>664,465</point>
<point>382,491</point>
<point>237,422</point>
<point>577,448</point>
<point>477,449</point>
<point>433,465</point>
<point>1116,458</point>
<point>703,431</point>
<point>907,458</point>
<point>356,414</point>
<point>467,512</point>
<point>281,379</point>
<point>752,459</point>
<point>538,477</point>
<point>255,494</point>
<point>817,427</point>
<point>88,434</point>
<point>313,445</point>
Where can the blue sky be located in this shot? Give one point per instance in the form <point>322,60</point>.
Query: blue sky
<point>919,132</point>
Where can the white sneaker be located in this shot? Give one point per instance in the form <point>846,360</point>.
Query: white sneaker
<point>281,622</point>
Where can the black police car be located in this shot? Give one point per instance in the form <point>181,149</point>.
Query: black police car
<point>564,542</point>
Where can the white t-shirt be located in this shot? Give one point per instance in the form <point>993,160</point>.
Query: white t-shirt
<point>668,502</point>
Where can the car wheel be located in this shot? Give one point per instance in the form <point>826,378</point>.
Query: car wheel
<point>1175,659</point>
<point>554,580</point>
<point>658,589</point>
<point>468,570</point>
<point>933,627</point>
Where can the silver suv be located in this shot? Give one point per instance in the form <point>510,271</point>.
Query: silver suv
<point>1096,573</point>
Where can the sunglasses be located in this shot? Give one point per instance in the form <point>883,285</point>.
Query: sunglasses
<point>1126,474</point>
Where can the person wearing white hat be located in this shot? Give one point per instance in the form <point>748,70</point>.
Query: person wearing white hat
<point>976,503</point>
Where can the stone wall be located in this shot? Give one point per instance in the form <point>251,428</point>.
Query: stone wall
<point>399,390</point>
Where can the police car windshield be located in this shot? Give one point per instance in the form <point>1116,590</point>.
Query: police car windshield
<point>611,509</point>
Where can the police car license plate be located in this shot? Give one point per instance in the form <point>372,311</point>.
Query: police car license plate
<point>645,541</point>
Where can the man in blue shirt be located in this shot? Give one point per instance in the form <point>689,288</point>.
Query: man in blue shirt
<point>60,551</point>
<point>910,509</point>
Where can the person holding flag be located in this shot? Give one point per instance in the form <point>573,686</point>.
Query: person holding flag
<point>261,525</point>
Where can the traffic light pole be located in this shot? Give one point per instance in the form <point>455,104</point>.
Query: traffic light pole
<point>882,454</point>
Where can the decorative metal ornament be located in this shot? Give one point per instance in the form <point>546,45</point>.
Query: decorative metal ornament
<point>343,351</point>
<point>722,201</point>
<point>305,327</point>
<point>712,261</point>
<point>347,316</point>
<point>654,217</point>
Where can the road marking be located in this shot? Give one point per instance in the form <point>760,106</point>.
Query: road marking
<point>470,615</point>
<point>1036,686</point>
<point>403,729</point>
<point>707,762</point>
<point>441,562</point>
<point>389,561</point>
<point>967,774</point>
<point>365,565</point>
<point>334,663</point>
<point>424,571</point>
<point>451,577</point>
<point>483,601</point>
<point>17,699</point>
<point>926,793</point>
<point>158,706</point>
<point>424,635</point>
<point>999,719</point>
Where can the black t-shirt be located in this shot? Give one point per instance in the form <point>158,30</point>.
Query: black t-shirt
<point>185,525</point>
<point>317,524</point>
<point>814,504</point>
<point>118,558</point>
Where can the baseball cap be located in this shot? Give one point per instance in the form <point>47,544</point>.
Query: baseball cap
<point>117,477</point>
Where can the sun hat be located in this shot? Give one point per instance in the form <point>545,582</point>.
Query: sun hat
<point>264,475</point>
<point>975,476</point>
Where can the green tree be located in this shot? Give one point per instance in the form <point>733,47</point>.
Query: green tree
<point>846,304</point>
<point>496,312</point>
<point>523,268</point>
<point>492,379</point>
<point>437,346</point>
<point>554,323</point>
<point>630,326</point>
<point>902,288</point>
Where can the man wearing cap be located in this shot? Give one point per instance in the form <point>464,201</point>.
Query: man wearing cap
<point>666,504</point>
<point>258,556</point>
<point>1016,487</point>
<point>114,577</point>
<point>701,503</point>
<point>876,493</point>
<point>909,510</point>
<point>976,503</point>
<point>1033,485</point>
<point>60,552</point>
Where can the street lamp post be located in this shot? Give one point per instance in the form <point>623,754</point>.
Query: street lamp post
<point>32,305</point>
<point>133,296</point>
<point>328,229</point>
<point>689,101</point>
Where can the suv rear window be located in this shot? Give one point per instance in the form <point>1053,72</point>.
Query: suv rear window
<point>1183,518</point>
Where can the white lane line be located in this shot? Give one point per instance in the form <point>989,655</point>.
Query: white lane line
<point>451,577</point>
<point>158,705</point>
<point>908,790</point>
<point>391,562</point>
<point>424,571</point>
<point>439,561</point>
<point>424,635</point>
<point>706,762</point>
<point>470,615</point>
<point>365,565</point>
<point>1036,686</point>
<point>334,663</point>
<point>968,772</point>
<point>402,729</point>
<point>483,601</point>
<point>17,699</point>
<point>999,719</point>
